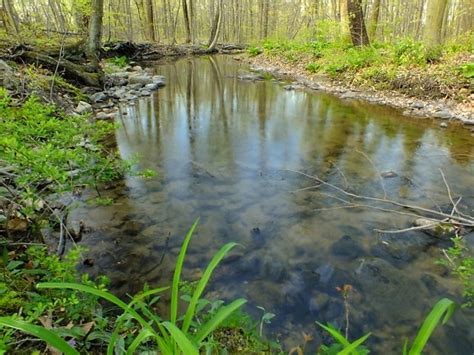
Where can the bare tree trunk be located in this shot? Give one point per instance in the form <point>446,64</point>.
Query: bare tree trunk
<point>150,20</point>
<point>218,26</point>
<point>186,21</point>
<point>356,23</point>
<point>434,22</point>
<point>95,32</point>
<point>374,19</point>
<point>344,19</point>
<point>12,24</point>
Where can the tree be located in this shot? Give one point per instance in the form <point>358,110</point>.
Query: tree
<point>11,18</point>
<point>434,22</point>
<point>356,23</point>
<point>374,19</point>
<point>187,26</point>
<point>95,32</point>
<point>150,20</point>
<point>216,26</point>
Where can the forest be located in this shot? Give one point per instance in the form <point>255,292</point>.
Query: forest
<point>236,176</point>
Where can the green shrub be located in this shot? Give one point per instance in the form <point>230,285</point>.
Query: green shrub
<point>254,51</point>
<point>313,67</point>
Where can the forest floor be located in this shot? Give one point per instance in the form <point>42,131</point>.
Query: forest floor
<point>440,90</point>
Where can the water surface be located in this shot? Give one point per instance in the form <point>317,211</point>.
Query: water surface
<point>228,150</point>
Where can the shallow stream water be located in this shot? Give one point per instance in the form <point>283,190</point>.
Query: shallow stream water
<point>228,151</point>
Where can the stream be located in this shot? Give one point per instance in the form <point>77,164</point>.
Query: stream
<point>229,151</point>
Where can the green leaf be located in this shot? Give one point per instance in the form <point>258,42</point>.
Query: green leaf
<point>444,307</point>
<point>352,348</point>
<point>203,282</point>
<point>141,337</point>
<point>44,334</point>
<point>177,273</point>
<point>186,346</point>
<point>107,296</point>
<point>217,319</point>
<point>335,334</point>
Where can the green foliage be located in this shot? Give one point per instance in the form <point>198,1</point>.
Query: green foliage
<point>313,67</point>
<point>441,312</point>
<point>46,146</point>
<point>139,324</point>
<point>20,272</point>
<point>461,263</point>
<point>254,51</point>
<point>411,52</point>
<point>343,346</point>
<point>467,70</point>
<point>120,62</point>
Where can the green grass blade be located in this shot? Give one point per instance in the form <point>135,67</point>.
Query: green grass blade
<point>335,334</point>
<point>186,346</point>
<point>105,295</point>
<point>445,307</point>
<point>218,318</point>
<point>40,332</point>
<point>352,348</point>
<point>144,335</point>
<point>202,284</point>
<point>136,299</point>
<point>177,273</point>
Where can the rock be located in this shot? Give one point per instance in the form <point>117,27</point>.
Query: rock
<point>388,174</point>
<point>443,114</point>
<point>6,73</point>
<point>443,125</point>
<point>347,247</point>
<point>155,85</point>
<point>101,115</point>
<point>98,97</point>
<point>145,93</point>
<point>140,79</point>
<point>119,93</point>
<point>135,86</point>
<point>131,97</point>
<point>325,273</point>
<point>400,249</point>
<point>349,95</point>
<point>83,108</point>
<point>467,122</point>
<point>137,68</point>
<point>418,105</point>
<point>435,229</point>
<point>251,77</point>
<point>289,87</point>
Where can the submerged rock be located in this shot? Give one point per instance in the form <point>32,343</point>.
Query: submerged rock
<point>436,229</point>
<point>347,247</point>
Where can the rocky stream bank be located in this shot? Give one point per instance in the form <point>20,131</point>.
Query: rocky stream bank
<point>448,112</point>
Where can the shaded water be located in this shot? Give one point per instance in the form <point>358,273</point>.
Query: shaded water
<point>225,151</point>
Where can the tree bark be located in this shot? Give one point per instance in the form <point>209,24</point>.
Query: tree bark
<point>218,26</point>
<point>374,20</point>
<point>95,32</point>
<point>150,20</point>
<point>12,24</point>
<point>434,22</point>
<point>358,31</point>
<point>186,21</point>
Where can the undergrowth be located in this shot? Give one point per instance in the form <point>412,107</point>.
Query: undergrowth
<point>405,65</point>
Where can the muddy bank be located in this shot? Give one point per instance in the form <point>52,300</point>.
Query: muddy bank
<point>447,111</point>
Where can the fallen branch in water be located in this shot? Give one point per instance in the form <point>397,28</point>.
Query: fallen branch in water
<point>456,218</point>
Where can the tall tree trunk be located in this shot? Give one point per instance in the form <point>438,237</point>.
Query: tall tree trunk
<point>95,32</point>
<point>12,24</point>
<point>186,21</point>
<point>150,23</point>
<point>434,22</point>
<point>374,19</point>
<point>218,26</point>
<point>356,23</point>
<point>344,19</point>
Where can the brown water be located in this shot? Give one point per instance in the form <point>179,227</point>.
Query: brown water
<point>224,150</point>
